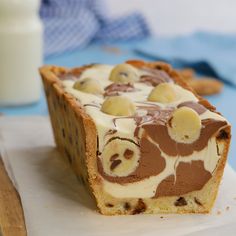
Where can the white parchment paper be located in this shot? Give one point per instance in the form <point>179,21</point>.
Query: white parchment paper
<point>54,203</point>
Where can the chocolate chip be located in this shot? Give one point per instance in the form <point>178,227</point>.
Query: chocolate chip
<point>63,133</point>
<point>64,106</point>
<point>83,181</point>
<point>158,67</point>
<point>68,155</point>
<point>218,150</point>
<point>98,153</point>
<point>127,206</point>
<point>114,164</point>
<point>223,135</point>
<point>97,143</point>
<point>128,154</point>
<point>140,207</point>
<point>109,205</point>
<point>197,201</point>
<point>113,157</point>
<point>111,131</point>
<point>181,202</point>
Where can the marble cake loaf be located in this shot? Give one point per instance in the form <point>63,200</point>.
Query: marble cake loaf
<point>138,137</point>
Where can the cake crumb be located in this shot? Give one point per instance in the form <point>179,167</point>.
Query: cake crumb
<point>218,212</point>
<point>227,208</point>
<point>161,217</point>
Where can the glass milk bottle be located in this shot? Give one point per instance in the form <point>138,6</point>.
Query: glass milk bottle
<point>20,51</point>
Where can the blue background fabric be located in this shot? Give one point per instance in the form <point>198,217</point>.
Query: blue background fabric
<point>209,53</point>
<point>73,24</point>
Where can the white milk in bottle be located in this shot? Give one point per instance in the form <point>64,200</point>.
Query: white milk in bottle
<point>20,52</point>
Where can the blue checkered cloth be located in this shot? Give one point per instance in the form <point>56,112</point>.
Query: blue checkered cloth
<point>73,24</point>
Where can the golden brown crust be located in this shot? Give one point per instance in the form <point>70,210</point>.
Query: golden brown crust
<point>75,135</point>
<point>62,109</point>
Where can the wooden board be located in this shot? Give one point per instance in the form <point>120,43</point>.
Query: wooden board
<point>11,213</point>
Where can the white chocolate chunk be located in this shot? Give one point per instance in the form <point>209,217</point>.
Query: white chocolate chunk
<point>120,158</point>
<point>185,125</point>
<point>163,93</point>
<point>124,73</point>
<point>118,106</point>
<point>88,85</point>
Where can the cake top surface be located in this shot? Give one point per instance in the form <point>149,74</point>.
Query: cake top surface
<point>142,87</point>
<point>121,98</point>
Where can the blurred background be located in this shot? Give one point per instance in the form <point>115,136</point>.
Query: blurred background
<point>170,18</point>
<point>196,37</point>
